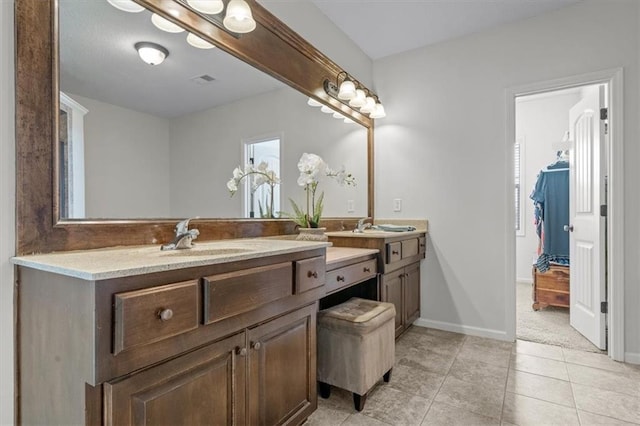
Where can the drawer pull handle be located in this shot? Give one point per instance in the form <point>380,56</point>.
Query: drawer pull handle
<point>165,314</point>
<point>241,351</point>
<point>365,269</point>
<point>256,345</point>
<point>340,278</point>
<point>313,274</point>
<point>395,252</point>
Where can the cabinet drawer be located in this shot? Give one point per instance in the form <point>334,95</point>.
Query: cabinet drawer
<point>394,252</point>
<point>351,274</point>
<point>310,273</point>
<point>152,314</point>
<point>410,248</point>
<point>233,293</point>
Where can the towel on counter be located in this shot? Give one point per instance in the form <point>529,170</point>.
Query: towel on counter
<point>394,228</point>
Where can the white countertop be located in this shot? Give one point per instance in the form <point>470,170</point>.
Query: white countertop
<point>119,262</point>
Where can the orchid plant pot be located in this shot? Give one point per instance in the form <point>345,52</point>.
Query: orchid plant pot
<point>312,234</point>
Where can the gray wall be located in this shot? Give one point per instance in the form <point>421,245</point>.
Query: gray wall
<point>442,149</point>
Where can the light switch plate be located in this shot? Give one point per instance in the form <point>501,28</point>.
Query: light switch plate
<point>397,204</point>
<point>351,206</point>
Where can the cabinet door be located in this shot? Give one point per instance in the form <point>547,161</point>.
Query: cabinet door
<point>204,387</point>
<point>392,292</point>
<point>282,369</point>
<point>411,293</point>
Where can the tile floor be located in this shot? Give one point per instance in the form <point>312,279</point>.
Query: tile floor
<point>443,378</point>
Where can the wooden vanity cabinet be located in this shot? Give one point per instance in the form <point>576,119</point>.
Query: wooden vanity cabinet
<point>399,264</point>
<point>126,351</point>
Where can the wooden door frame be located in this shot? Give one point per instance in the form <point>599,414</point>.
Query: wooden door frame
<point>613,78</point>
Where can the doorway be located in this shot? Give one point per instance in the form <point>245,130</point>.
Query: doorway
<point>543,147</point>
<point>612,227</point>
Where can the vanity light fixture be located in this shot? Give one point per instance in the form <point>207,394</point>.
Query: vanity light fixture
<point>338,115</point>
<point>126,6</point>
<point>326,109</point>
<point>239,18</point>
<point>165,24</point>
<point>209,7</point>
<point>351,92</point>
<point>151,53</point>
<point>312,102</point>
<point>198,42</point>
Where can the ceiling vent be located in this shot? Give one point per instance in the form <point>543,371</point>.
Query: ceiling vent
<point>203,79</point>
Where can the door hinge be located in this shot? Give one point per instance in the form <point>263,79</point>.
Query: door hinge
<point>604,113</point>
<point>604,307</point>
<point>603,210</point>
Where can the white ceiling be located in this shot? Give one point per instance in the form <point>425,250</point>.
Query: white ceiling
<point>386,27</point>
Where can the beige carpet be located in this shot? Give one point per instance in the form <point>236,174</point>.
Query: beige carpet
<point>549,325</point>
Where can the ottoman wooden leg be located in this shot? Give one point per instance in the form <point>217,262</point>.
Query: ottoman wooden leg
<point>387,376</point>
<point>324,389</point>
<point>358,401</point>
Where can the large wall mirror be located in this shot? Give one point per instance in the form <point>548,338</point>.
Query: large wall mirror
<point>140,145</point>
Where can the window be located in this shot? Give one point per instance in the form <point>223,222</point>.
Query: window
<point>71,158</point>
<point>257,201</point>
<point>517,168</point>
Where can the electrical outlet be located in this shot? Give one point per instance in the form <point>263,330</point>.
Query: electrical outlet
<point>397,204</point>
<point>351,206</point>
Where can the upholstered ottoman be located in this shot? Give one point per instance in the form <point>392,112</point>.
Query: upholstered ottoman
<point>356,347</point>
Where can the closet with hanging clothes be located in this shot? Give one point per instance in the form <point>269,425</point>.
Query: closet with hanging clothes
<point>551,212</point>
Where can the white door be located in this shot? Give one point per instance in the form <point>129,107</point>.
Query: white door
<point>587,236</point>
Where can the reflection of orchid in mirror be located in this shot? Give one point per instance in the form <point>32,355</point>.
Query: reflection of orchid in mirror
<point>258,175</point>
<point>312,169</point>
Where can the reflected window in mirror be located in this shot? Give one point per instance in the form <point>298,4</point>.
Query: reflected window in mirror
<point>262,191</point>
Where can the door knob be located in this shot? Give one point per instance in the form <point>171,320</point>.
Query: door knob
<point>568,228</point>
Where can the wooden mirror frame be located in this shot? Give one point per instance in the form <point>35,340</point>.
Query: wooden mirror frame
<point>272,48</point>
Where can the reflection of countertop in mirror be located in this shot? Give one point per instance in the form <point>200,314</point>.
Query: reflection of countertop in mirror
<point>127,261</point>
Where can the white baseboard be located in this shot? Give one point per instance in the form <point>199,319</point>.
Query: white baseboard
<point>462,329</point>
<point>528,280</point>
<point>632,357</point>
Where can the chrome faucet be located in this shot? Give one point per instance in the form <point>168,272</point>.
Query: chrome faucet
<point>361,226</point>
<point>184,237</point>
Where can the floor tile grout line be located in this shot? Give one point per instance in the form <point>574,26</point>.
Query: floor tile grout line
<point>506,383</point>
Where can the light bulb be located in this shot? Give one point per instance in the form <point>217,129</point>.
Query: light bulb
<point>312,102</point>
<point>347,90</point>
<point>326,109</point>
<point>348,120</point>
<point>238,18</point>
<point>151,53</point>
<point>359,100</point>
<point>337,115</point>
<point>165,25</point>
<point>198,42</point>
<point>210,7</point>
<point>126,5</point>
<point>369,106</point>
<point>378,111</point>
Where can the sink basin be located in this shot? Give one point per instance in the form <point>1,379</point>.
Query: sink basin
<point>208,252</point>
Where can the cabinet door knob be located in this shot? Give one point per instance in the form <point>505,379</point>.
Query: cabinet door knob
<point>395,252</point>
<point>241,351</point>
<point>313,274</point>
<point>256,345</point>
<point>340,278</point>
<point>165,314</point>
<point>365,269</point>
